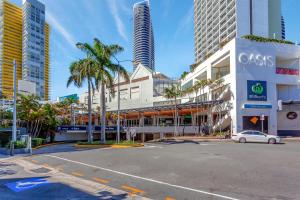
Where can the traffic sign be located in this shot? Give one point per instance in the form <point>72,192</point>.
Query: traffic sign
<point>26,184</point>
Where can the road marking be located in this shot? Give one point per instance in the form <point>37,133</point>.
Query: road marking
<point>169,198</point>
<point>100,180</point>
<point>34,161</point>
<point>133,190</point>
<point>77,174</point>
<point>145,179</point>
<point>3,159</point>
<point>207,144</point>
<point>151,146</point>
<point>46,165</point>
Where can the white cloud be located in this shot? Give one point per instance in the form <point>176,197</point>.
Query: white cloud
<point>185,22</point>
<point>55,24</point>
<point>114,10</point>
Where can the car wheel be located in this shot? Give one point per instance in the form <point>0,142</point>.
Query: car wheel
<point>242,140</point>
<point>272,141</point>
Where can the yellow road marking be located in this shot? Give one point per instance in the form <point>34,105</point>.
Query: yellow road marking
<point>59,168</point>
<point>169,198</point>
<point>34,161</point>
<point>100,180</point>
<point>46,165</point>
<point>133,190</point>
<point>77,174</point>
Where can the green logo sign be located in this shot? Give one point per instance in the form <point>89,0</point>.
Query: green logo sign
<point>257,88</point>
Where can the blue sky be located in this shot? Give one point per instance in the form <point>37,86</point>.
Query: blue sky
<point>75,21</point>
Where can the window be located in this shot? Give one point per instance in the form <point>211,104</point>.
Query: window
<point>123,94</point>
<point>135,92</point>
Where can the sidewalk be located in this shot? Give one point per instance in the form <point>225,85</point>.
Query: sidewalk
<point>18,177</point>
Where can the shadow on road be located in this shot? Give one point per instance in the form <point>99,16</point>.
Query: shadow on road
<point>172,141</point>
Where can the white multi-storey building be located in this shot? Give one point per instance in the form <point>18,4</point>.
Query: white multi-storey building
<point>260,88</point>
<point>145,88</point>
<point>219,21</point>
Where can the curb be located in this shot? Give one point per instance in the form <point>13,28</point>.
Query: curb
<point>47,145</point>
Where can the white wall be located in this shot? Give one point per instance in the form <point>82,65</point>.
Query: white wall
<point>288,92</point>
<point>260,17</point>
<point>286,124</point>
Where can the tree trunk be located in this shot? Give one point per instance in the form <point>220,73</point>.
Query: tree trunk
<point>103,112</point>
<point>90,136</point>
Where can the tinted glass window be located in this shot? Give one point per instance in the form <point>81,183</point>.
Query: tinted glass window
<point>257,133</point>
<point>247,133</point>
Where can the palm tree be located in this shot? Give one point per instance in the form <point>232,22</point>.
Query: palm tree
<point>105,69</point>
<point>81,71</point>
<point>174,93</point>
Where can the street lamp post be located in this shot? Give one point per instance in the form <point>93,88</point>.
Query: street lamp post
<point>119,100</point>
<point>14,127</point>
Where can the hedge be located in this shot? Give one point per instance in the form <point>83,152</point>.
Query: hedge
<point>263,39</point>
<point>17,145</point>
<point>37,142</point>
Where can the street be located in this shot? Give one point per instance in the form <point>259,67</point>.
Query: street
<point>184,170</point>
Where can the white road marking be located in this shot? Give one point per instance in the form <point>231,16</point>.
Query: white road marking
<point>145,179</point>
<point>203,144</point>
<point>3,159</point>
<point>151,146</point>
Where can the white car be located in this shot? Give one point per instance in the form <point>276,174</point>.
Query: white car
<point>255,136</point>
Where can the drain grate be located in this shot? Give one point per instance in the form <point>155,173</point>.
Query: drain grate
<point>41,170</point>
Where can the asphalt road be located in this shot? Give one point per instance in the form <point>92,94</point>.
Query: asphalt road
<point>189,170</point>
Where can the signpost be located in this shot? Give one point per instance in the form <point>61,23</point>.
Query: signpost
<point>262,118</point>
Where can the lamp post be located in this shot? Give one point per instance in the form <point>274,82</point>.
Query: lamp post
<point>14,128</point>
<point>118,113</point>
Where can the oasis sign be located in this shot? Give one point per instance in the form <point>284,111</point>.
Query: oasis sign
<point>256,59</point>
<point>257,90</point>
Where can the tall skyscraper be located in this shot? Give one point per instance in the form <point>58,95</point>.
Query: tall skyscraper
<point>143,35</point>
<point>218,22</point>
<point>35,31</point>
<point>24,36</point>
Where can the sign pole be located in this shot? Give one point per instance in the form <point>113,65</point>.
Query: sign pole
<point>262,118</point>
<point>14,129</point>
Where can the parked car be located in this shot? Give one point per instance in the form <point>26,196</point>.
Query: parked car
<point>255,136</point>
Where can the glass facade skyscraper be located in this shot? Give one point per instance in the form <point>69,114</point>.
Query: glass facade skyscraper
<point>143,35</point>
<point>33,69</point>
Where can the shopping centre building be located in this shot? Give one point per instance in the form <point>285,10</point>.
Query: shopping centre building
<point>263,82</point>
<point>240,48</point>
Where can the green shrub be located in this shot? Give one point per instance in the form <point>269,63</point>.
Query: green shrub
<point>17,145</point>
<point>35,142</point>
<point>263,39</point>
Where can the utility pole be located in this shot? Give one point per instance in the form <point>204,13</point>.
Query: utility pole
<point>118,121</point>
<point>14,128</point>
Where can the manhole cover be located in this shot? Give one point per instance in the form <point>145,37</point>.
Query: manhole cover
<point>41,170</point>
